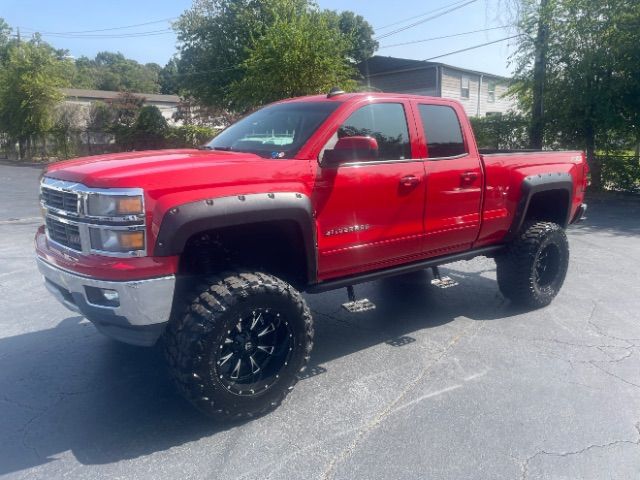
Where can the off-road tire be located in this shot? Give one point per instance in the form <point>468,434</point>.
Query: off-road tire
<point>192,340</point>
<point>519,267</point>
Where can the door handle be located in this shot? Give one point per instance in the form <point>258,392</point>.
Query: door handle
<point>409,181</point>
<point>468,177</point>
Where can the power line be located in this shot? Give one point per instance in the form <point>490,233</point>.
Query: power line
<point>106,29</point>
<point>444,36</point>
<point>472,48</point>
<point>424,20</point>
<point>418,16</point>
<point>103,36</point>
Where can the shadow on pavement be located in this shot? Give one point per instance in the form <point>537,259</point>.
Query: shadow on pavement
<point>71,389</point>
<point>615,214</point>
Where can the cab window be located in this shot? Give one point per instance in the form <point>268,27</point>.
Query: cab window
<point>387,123</point>
<point>442,131</point>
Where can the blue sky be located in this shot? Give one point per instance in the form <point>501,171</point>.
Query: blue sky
<point>159,46</point>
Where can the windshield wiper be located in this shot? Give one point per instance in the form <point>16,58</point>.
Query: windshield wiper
<point>209,147</point>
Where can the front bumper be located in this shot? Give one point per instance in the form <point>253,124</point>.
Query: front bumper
<point>139,319</point>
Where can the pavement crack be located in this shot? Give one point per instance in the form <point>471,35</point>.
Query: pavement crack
<point>600,331</point>
<point>6,399</point>
<point>525,464</point>
<point>594,363</point>
<point>390,407</point>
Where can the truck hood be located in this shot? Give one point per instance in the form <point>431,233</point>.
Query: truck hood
<point>168,170</point>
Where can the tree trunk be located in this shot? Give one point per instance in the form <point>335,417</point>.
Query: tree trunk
<point>536,133</point>
<point>22,150</point>
<point>595,165</point>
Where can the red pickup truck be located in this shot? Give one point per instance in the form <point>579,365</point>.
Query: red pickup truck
<point>209,249</point>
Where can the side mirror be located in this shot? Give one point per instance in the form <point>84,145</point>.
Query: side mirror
<point>349,149</point>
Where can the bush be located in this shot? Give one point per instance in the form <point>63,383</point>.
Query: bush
<point>620,173</point>
<point>189,136</point>
<point>150,129</point>
<point>502,132</point>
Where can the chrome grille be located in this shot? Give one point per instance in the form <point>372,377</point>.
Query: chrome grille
<point>64,233</point>
<point>60,199</point>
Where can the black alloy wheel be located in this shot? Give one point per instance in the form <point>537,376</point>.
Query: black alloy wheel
<point>238,349</point>
<point>252,354</point>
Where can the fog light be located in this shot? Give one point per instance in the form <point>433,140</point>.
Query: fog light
<point>103,297</point>
<point>110,295</point>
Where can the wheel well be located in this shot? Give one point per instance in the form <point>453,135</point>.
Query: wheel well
<point>275,247</point>
<point>550,205</point>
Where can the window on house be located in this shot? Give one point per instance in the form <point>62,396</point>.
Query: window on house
<point>442,131</point>
<point>491,86</point>
<point>464,86</point>
<point>387,123</point>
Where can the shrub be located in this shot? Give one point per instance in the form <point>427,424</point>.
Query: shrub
<point>503,132</point>
<point>189,136</point>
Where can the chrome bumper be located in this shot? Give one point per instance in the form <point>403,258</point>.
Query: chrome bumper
<point>139,318</point>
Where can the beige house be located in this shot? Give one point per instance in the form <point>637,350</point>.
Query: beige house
<point>480,93</point>
<point>83,98</point>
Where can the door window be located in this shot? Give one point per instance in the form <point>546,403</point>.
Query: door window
<point>442,131</point>
<point>387,123</point>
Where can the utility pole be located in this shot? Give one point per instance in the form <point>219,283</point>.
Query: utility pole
<point>539,77</point>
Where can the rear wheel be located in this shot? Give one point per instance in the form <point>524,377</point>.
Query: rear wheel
<point>238,349</point>
<point>533,268</point>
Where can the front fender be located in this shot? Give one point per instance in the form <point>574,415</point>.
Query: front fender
<point>183,221</point>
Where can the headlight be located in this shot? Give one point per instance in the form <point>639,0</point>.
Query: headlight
<point>119,241</point>
<point>99,205</point>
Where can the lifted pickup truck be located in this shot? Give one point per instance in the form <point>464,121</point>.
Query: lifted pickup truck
<point>209,249</point>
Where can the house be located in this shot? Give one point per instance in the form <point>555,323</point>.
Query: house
<point>168,104</point>
<point>480,93</point>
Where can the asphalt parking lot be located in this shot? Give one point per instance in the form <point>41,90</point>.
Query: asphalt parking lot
<point>433,384</point>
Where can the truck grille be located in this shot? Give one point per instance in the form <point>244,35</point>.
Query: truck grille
<point>64,233</point>
<point>60,199</point>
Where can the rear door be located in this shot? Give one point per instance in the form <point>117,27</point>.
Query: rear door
<point>370,213</point>
<point>453,178</point>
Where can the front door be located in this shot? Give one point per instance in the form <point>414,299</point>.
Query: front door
<point>370,213</point>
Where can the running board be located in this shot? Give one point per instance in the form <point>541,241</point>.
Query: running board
<point>402,269</point>
<point>440,281</point>
<point>357,306</point>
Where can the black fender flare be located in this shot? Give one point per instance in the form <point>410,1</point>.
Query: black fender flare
<point>183,221</point>
<point>540,183</point>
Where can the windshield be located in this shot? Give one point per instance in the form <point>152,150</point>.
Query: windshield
<point>276,131</point>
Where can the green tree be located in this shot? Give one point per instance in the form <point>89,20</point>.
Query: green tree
<point>358,31</point>
<point>150,128</point>
<point>591,78</point>
<point>5,40</point>
<point>217,38</point>
<point>113,71</point>
<point>168,78</point>
<point>125,110</point>
<point>30,82</point>
<point>299,54</point>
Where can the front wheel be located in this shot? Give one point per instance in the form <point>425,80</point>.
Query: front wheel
<point>238,349</point>
<point>533,268</point>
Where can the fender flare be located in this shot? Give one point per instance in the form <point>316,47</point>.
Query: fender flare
<point>183,221</point>
<point>540,183</point>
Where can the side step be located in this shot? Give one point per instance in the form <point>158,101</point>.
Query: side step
<point>357,306</point>
<point>440,281</point>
